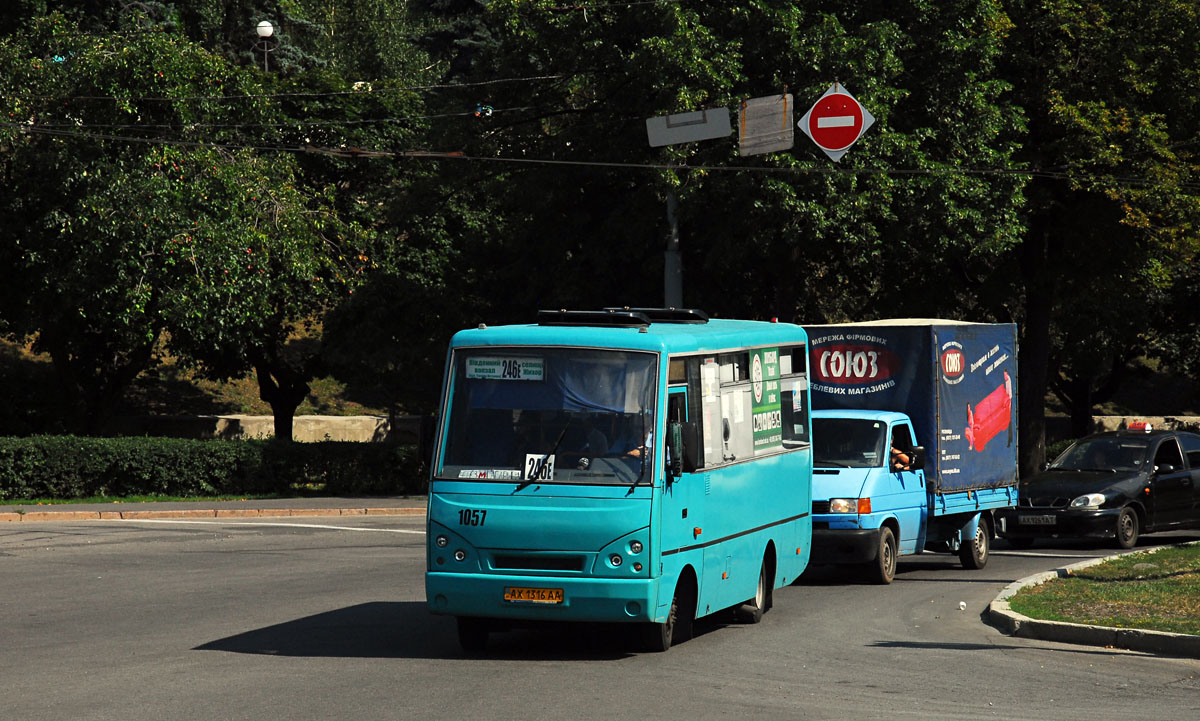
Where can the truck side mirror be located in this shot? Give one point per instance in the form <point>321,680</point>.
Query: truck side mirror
<point>917,453</point>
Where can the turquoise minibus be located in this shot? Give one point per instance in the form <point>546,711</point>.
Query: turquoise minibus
<point>642,466</point>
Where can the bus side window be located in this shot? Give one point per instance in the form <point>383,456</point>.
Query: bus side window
<point>737,432</point>
<point>793,366</point>
<point>705,411</point>
<point>677,407</point>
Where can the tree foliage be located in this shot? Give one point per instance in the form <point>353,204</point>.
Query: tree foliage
<point>405,169</point>
<point>124,237</point>
<point>1110,96</point>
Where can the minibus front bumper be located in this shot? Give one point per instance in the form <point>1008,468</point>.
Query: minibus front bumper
<point>557,598</point>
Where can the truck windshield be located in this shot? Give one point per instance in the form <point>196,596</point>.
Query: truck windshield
<point>558,415</point>
<point>848,443</point>
<point>1103,454</point>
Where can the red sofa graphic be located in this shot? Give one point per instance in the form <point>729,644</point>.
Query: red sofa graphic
<point>991,415</point>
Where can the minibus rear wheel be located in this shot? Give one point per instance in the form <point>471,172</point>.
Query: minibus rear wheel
<point>753,609</point>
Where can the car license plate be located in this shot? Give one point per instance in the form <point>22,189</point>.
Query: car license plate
<point>1043,520</point>
<point>533,595</point>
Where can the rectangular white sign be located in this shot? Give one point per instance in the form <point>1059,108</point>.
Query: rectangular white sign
<point>506,369</point>
<point>688,127</point>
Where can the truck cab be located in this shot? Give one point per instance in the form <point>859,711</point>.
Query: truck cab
<point>869,504</point>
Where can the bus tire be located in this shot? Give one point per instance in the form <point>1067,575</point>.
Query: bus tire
<point>974,555</point>
<point>883,569</point>
<point>657,637</point>
<point>753,609</point>
<point>472,634</point>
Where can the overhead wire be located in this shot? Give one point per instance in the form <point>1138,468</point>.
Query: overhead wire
<point>286,25</point>
<point>184,125</point>
<point>71,129</point>
<point>675,167</point>
<point>367,89</point>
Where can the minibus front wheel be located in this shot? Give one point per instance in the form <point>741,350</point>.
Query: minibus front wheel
<point>658,637</point>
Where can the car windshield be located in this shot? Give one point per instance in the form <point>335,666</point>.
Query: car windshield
<point>550,414</point>
<point>1103,454</point>
<point>847,443</point>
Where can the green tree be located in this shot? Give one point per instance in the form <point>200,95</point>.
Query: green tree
<point>1111,93</point>
<point>249,278</point>
<point>139,207</point>
<point>86,273</point>
<point>909,221</point>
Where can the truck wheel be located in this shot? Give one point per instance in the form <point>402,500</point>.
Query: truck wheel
<point>883,570</point>
<point>1127,528</point>
<point>974,555</point>
<point>472,634</point>
<point>752,610</point>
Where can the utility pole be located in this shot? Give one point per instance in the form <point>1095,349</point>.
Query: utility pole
<point>672,263</point>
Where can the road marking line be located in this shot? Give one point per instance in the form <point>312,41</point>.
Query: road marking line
<point>283,525</point>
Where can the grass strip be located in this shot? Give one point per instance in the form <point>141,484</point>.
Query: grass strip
<point>1157,591</point>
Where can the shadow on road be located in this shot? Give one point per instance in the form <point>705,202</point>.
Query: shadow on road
<point>407,630</point>
<point>852,576</point>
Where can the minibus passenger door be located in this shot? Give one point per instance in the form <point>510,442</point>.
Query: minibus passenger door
<point>683,494</point>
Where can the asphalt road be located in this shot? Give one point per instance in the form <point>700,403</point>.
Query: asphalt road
<point>313,618</point>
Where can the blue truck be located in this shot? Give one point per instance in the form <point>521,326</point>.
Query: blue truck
<point>914,439</point>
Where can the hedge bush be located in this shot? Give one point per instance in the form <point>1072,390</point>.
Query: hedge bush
<point>66,467</point>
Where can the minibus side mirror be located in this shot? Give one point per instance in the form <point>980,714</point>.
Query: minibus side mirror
<point>691,446</point>
<point>675,447</point>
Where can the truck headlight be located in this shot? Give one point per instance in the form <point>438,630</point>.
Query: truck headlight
<point>850,505</point>
<point>1088,500</point>
<point>843,505</point>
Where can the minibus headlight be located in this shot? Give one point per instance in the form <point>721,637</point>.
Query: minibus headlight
<point>615,559</point>
<point>441,541</point>
<point>460,555</point>
<point>635,546</point>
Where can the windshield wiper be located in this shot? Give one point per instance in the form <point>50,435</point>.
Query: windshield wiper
<point>538,471</point>
<point>830,464</point>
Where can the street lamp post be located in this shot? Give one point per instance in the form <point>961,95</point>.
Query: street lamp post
<point>265,32</point>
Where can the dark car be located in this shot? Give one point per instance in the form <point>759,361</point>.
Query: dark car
<point>1110,485</point>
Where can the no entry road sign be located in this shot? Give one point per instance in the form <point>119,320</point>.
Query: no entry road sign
<point>836,121</point>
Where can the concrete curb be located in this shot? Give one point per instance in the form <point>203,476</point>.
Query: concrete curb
<point>50,516</point>
<point>1001,615</point>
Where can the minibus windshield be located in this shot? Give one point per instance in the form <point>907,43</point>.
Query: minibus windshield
<point>558,415</point>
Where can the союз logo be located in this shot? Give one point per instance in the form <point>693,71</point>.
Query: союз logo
<point>953,362</point>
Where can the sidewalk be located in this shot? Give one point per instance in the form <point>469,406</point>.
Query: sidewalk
<point>275,507</point>
<point>1001,615</point>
